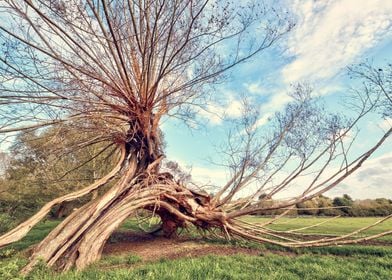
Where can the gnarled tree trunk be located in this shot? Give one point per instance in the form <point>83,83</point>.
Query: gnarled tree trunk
<point>80,238</point>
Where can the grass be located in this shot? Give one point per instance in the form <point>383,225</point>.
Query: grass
<point>234,267</point>
<point>338,226</point>
<point>338,262</point>
<point>34,236</point>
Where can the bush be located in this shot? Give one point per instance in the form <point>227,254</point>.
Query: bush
<point>6,222</point>
<point>323,206</point>
<point>7,253</point>
<point>10,270</point>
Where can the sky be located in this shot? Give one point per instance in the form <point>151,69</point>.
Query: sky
<point>328,37</point>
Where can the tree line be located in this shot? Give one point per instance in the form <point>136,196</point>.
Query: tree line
<point>339,206</point>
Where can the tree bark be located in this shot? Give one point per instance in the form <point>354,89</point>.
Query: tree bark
<point>79,239</point>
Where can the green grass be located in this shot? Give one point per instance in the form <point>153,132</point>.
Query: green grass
<point>36,234</point>
<point>337,262</point>
<point>235,267</point>
<point>338,226</point>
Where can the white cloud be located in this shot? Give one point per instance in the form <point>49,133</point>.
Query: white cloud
<point>209,175</point>
<point>254,88</point>
<point>276,102</point>
<point>330,34</point>
<point>328,89</point>
<point>263,120</point>
<point>386,124</point>
<point>372,180</point>
<point>204,175</point>
<point>234,109</point>
<point>215,113</point>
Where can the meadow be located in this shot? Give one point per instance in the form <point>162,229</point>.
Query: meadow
<point>218,259</point>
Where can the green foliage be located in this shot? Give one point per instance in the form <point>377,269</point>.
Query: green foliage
<point>344,206</point>
<point>46,165</point>
<point>10,269</point>
<point>308,207</point>
<point>33,237</point>
<point>6,222</point>
<point>349,251</point>
<point>338,226</point>
<point>40,271</point>
<point>343,201</point>
<point>370,207</point>
<point>7,253</point>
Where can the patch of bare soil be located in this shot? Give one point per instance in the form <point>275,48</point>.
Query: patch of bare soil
<point>151,248</point>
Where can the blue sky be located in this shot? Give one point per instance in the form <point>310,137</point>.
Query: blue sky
<point>329,36</point>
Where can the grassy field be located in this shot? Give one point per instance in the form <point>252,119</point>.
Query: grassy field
<point>337,226</point>
<point>272,262</point>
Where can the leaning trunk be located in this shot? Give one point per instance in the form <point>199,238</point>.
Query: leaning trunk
<point>79,239</point>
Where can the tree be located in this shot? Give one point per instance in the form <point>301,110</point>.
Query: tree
<point>3,162</point>
<point>113,69</point>
<point>34,176</point>
<point>372,207</point>
<point>308,207</point>
<point>346,202</point>
<point>326,207</point>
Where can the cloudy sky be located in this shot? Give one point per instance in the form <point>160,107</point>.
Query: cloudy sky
<point>329,36</point>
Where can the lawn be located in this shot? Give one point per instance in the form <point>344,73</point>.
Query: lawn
<point>339,226</point>
<point>271,262</point>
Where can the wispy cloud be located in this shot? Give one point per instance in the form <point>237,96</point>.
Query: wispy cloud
<point>373,180</point>
<point>202,175</point>
<point>331,34</point>
<point>386,124</point>
<point>209,175</point>
<point>254,88</point>
<point>215,113</point>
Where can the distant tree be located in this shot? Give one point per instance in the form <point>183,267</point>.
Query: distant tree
<point>345,201</point>
<point>372,207</point>
<point>41,169</point>
<point>309,207</point>
<point>176,170</point>
<point>4,161</point>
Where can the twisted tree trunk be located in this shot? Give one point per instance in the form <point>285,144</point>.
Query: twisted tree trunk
<point>79,239</point>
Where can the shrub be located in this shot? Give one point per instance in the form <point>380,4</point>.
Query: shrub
<point>6,222</point>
